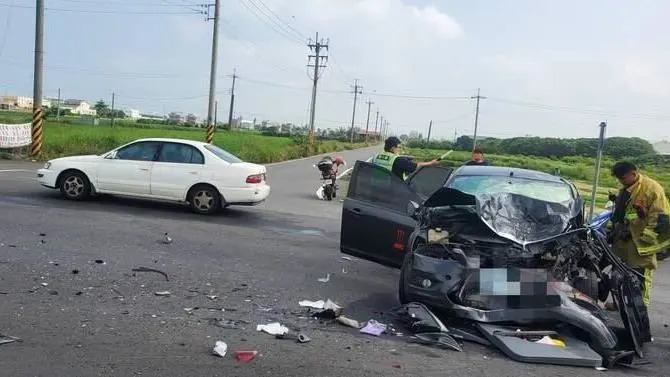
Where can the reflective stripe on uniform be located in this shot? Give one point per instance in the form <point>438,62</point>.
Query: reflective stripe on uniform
<point>646,288</point>
<point>386,161</point>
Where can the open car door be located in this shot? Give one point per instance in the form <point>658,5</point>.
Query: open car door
<point>375,222</point>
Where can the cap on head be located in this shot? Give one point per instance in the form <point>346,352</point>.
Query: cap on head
<point>391,143</point>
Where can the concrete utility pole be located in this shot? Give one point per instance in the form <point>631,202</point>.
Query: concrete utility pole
<point>319,62</point>
<point>596,183</point>
<point>357,90</point>
<point>36,128</point>
<point>376,124</point>
<point>430,128</point>
<point>212,75</point>
<point>58,106</point>
<point>474,139</point>
<point>381,128</point>
<point>367,124</point>
<point>112,112</point>
<point>216,113</point>
<point>232,101</point>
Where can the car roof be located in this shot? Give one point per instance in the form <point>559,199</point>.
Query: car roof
<point>194,143</point>
<point>499,171</point>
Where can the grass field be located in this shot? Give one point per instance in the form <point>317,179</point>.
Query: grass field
<point>74,139</point>
<point>579,170</point>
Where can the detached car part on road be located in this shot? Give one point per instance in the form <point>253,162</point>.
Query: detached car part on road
<point>505,251</point>
<point>203,175</point>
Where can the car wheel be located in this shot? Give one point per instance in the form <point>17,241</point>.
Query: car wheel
<point>74,185</point>
<point>204,199</point>
<point>403,282</point>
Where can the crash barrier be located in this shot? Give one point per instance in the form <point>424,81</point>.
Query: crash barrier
<point>15,135</point>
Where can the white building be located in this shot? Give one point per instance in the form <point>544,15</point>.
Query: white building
<point>79,107</point>
<point>132,114</point>
<point>16,102</point>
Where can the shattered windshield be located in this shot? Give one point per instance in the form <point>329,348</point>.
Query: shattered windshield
<point>487,185</point>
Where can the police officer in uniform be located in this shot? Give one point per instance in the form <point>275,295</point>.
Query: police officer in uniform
<point>391,160</point>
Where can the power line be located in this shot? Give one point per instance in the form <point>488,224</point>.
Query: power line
<point>95,11</point>
<point>279,30</point>
<point>300,34</point>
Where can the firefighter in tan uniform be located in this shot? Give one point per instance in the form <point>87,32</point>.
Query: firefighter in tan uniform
<point>640,225</point>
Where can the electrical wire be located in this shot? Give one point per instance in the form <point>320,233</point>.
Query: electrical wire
<point>69,10</point>
<point>298,32</point>
<point>279,30</point>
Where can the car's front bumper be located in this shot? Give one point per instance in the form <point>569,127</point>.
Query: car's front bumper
<point>47,178</point>
<point>247,195</point>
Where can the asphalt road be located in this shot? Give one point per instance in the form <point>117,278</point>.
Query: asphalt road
<point>105,319</point>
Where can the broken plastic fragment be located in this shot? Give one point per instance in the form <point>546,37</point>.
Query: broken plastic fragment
<point>373,328</point>
<point>273,328</point>
<point>348,322</point>
<point>245,356</point>
<point>220,348</point>
<point>552,342</point>
<point>163,293</point>
<point>4,339</point>
<point>312,304</point>
<point>330,310</point>
<point>324,280</point>
<point>601,369</point>
<point>213,297</point>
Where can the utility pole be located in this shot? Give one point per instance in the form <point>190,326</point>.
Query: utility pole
<point>474,139</point>
<point>112,112</point>
<point>367,124</point>
<point>58,106</point>
<point>376,124</point>
<point>212,75</point>
<point>319,62</point>
<point>381,128</point>
<point>232,101</point>
<point>36,127</point>
<point>430,128</point>
<point>596,183</point>
<point>455,135</point>
<point>357,90</point>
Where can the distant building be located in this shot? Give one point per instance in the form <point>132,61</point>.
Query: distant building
<point>79,107</point>
<point>176,118</point>
<point>662,147</point>
<point>16,102</point>
<point>191,119</point>
<point>132,114</point>
<point>153,117</point>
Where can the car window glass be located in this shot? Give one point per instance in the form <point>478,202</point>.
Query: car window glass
<point>378,186</point>
<point>428,179</point>
<point>180,154</point>
<point>144,151</point>
<point>220,153</point>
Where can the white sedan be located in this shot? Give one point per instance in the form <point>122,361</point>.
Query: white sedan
<point>205,176</point>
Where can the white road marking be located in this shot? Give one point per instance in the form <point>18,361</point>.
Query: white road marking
<point>16,171</point>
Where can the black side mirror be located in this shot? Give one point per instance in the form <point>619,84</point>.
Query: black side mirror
<point>413,209</point>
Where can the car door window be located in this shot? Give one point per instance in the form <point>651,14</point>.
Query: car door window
<point>180,154</point>
<point>378,186</point>
<point>143,151</point>
<point>428,179</point>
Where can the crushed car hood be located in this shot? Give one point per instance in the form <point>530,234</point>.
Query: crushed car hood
<point>517,218</point>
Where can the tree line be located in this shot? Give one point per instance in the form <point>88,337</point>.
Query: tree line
<point>615,147</point>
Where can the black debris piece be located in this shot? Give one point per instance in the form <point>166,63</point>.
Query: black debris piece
<point>75,271</point>
<point>99,261</point>
<point>11,245</point>
<point>53,292</point>
<point>43,234</point>
<point>79,293</point>
<point>147,269</point>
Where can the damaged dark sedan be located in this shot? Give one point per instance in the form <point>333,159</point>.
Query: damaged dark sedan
<point>504,253</point>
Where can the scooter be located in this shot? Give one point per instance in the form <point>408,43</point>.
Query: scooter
<point>328,168</point>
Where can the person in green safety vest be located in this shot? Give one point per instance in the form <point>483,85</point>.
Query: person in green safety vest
<point>639,226</point>
<point>391,160</point>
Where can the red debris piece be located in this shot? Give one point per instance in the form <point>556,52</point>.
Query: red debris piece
<point>397,366</point>
<point>245,356</point>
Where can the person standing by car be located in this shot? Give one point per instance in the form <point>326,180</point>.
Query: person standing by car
<point>477,158</point>
<point>640,223</point>
<point>391,160</point>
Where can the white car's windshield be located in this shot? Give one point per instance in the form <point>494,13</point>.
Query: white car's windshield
<point>220,153</point>
<point>542,190</point>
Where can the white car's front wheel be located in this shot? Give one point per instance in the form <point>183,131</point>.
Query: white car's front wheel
<point>74,185</point>
<point>204,199</point>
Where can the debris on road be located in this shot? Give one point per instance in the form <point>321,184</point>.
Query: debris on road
<point>347,258</point>
<point>75,271</point>
<point>274,328</point>
<point>300,337</point>
<point>263,309</point>
<point>231,324</point>
<point>166,239</point>
<point>330,310</point>
<point>213,297</point>
<point>312,304</point>
<point>4,339</point>
<point>324,280</point>
<point>163,293</point>
<point>99,261</point>
<point>373,328</point>
<point>349,322</point>
<point>428,328</point>
<point>245,356</point>
<point>147,269</point>
<point>53,292</point>
<point>220,348</point>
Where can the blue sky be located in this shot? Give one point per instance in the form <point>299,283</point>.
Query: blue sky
<point>549,68</point>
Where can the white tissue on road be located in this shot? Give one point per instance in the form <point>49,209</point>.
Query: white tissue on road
<point>324,280</point>
<point>312,304</point>
<point>220,348</point>
<point>273,328</point>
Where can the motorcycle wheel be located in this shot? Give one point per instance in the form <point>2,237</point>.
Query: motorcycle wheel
<point>328,192</point>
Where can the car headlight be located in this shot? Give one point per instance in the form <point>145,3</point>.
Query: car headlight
<point>47,165</point>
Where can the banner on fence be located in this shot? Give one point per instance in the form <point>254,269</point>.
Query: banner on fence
<point>15,135</point>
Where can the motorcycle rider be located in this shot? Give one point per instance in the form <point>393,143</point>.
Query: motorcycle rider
<point>640,223</point>
<point>391,160</point>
